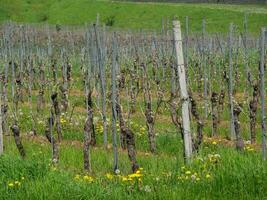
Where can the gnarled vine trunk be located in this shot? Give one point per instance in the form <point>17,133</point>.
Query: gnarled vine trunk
<point>16,134</point>
<point>253,106</point>
<point>51,138</point>
<point>214,112</point>
<point>129,137</point>
<point>239,140</point>
<point>57,113</point>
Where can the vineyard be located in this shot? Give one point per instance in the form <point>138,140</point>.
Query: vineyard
<point>90,112</point>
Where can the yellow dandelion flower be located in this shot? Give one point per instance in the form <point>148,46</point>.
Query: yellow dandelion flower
<point>129,179</point>
<point>188,172</point>
<point>135,175</point>
<point>109,176</point>
<point>17,183</point>
<point>10,184</point>
<point>62,120</point>
<point>77,177</point>
<point>142,129</point>
<point>208,176</point>
<point>214,142</point>
<point>88,178</point>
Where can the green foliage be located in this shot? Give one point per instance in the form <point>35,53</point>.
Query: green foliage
<point>133,15</point>
<point>110,20</point>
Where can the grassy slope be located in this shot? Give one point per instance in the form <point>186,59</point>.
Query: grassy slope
<point>132,15</point>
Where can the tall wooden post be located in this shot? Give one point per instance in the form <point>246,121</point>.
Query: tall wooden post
<point>183,90</point>
<point>1,121</point>
<point>114,97</point>
<point>262,85</point>
<point>204,63</point>
<point>102,84</point>
<point>230,84</point>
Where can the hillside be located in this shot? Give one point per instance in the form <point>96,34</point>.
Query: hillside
<point>132,15</point>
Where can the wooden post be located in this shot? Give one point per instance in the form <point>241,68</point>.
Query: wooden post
<point>89,124</point>
<point>5,101</point>
<point>246,58</point>
<point>262,86</point>
<point>230,84</point>
<point>114,112</point>
<point>186,48</point>
<point>102,84</point>
<point>1,119</point>
<point>183,89</point>
<point>204,62</point>
<point>30,84</point>
<point>186,41</point>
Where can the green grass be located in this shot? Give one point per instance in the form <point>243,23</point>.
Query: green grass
<point>234,176</point>
<point>128,15</point>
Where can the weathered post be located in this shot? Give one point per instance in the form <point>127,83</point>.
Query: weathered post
<point>186,41</point>
<point>103,84</point>
<point>88,126</point>
<point>1,120</point>
<point>262,86</point>
<point>183,89</point>
<point>204,62</point>
<point>114,111</point>
<point>30,66</point>
<point>230,84</point>
<point>246,58</point>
